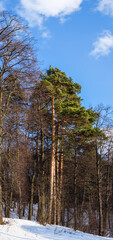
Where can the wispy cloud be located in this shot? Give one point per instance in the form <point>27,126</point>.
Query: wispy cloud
<point>36,11</point>
<point>46,34</point>
<point>106,7</point>
<point>103,45</point>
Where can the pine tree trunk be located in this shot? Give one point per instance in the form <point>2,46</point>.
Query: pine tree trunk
<point>52,211</point>
<point>1,217</point>
<point>58,177</point>
<point>61,207</point>
<point>75,192</point>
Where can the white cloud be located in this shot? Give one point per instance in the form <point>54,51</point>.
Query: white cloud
<point>46,34</point>
<point>103,45</point>
<point>105,6</point>
<point>64,19</point>
<point>36,11</point>
<point>32,17</point>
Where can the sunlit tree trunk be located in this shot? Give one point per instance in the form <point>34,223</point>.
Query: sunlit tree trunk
<point>52,211</point>
<point>61,207</point>
<point>75,191</point>
<point>1,218</point>
<point>58,176</point>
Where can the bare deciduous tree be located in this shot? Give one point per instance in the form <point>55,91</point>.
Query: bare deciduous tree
<point>17,65</point>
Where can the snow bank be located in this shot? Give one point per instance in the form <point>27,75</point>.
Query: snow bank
<point>16,229</point>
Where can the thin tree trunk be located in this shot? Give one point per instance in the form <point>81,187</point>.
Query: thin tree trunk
<point>19,182</point>
<point>11,190</point>
<point>112,183</point>
<point>7,206</point>
<point>99,182</point>
<point>67,223</point>
<point>24,206</point>
<point>20,202</point>
<point>52,211</point>
<point>75,192</point>
<point>107,197</point>
<point>42,179</point>
<point>61,207</point>
<point>11,196</point>
<point>31,198</point>
<point>38,177</point>
<point>6,196</point>
<point>1,217</point>
<point>58,177</point>
<point>32,185</point>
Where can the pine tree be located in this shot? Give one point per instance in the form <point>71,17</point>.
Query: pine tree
<point>66,112</point>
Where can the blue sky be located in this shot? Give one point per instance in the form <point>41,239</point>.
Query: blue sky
<point>77,37</point>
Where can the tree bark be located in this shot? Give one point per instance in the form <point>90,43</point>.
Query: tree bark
<point>38,177</point>
<point>107,195</point>
<point>31,198</point>
<point>75,192</point>
<point>61,207</point>
<point>32,185</point>
<point>1,217</point>
<point>58,177</point>
<point>20,202</point>
<point>99,183</point>
<point>52,211</point>
<point>42,179</point>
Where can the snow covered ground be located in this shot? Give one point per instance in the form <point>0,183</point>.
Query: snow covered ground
<point>16,229</point>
